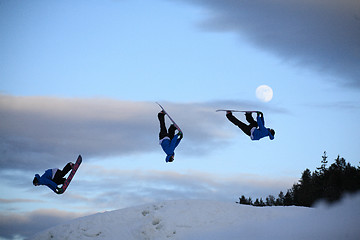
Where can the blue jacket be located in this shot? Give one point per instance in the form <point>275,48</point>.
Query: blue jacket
<point>261,131</point>
<point>46,179</point>
<point>169,146</point>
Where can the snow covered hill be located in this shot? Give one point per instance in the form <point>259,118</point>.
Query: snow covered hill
<point>196,219</point>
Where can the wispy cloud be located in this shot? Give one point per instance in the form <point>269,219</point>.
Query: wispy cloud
<point>145,186</point>
<point>39,130</point>
<point>48,131</point>
<point>18,200</point>
<point>321,34</point>
<point>340,105</point>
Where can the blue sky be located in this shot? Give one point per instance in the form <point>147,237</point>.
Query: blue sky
<point>83,77</point>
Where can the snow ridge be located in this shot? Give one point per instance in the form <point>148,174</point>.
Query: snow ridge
<point>197,219</point>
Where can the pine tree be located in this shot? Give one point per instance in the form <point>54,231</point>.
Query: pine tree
<point>305,190</point>
<point>270,200</point>
<point>280,200</point>
<point>328,183</point>
<point>256,203</point>
<point>262,204</point>
<point>322,169</point>
<point>243,200</point>
<point>250,201</point>
<point>289,199</point>
<point>340,164</point>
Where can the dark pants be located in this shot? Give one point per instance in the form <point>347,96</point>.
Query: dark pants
<point>60,174</point>
<point>163,131</point>
<point>244,127</point>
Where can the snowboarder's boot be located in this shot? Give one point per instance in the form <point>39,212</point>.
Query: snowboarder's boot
<point>161,115</point>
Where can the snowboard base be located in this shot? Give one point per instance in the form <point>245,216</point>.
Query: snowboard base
<point>229,110</point>
<point>72,173</point>
<point>177,127</point>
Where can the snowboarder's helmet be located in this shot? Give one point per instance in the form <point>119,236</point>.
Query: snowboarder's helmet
<point>272,131</point>
<point>35,181</point>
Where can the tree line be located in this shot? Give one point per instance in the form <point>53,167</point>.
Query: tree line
<point>325,183</point>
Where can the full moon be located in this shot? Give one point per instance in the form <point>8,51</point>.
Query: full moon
<point>264,93</point>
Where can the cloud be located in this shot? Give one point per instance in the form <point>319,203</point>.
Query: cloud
<point>39,130</point>
<point>18,200</point>
<point>102,188</point>
<point>320,34</point>
<point>117,188</point>
<point>27,224</point>
<point>339,105</point>
<point>342,212</point>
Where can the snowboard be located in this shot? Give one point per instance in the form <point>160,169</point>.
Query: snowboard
<point>225,110</point>
<point>177,127</point>
<point>71,175</point>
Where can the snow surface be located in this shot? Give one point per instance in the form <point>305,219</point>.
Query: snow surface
<point>197,219</point>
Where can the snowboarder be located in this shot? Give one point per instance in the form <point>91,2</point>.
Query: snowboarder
<point>53,177</point>
<point>255,129</point>
<point>167,138</point>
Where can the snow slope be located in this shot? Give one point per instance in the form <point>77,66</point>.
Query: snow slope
<point>196,219</point>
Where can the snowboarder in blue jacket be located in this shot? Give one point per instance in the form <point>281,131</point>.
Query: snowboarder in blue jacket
<point>255,129</point>
<point>167,138</point>
<point>53,177</point>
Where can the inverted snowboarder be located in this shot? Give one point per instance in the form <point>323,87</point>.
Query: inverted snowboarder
<point>167,138</point>
<point>255,129</point>
<point>54,177</point>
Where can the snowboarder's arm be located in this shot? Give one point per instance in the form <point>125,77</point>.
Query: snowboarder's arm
<point>52,185</point>
<point>174,142</point>
<point>261,122</point>
<point>45,181</point>
<point>177,142</point>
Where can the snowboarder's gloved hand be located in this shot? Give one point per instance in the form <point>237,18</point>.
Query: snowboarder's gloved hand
<point>260,114</point>
<point>59,190</point>
<point>180,135</point>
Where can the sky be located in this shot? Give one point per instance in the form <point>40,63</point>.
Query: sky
<point>83,78</point>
